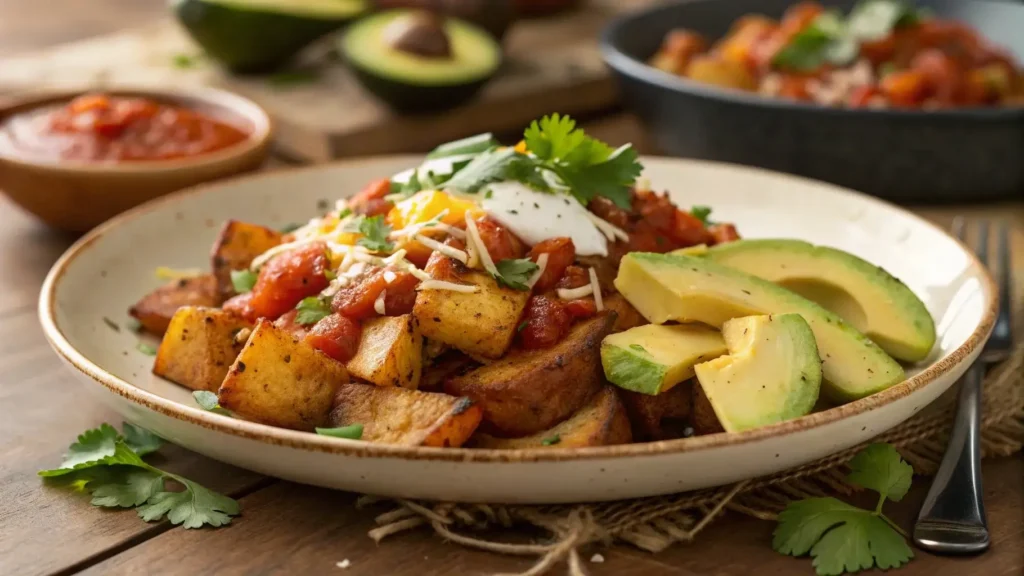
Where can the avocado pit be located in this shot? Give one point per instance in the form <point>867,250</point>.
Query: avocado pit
<point>419,33</point>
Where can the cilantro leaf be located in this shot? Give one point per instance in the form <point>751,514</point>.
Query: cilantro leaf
<point>843,538</point>
<point>186,61</point>
<point>352,432</point>
<point>375,234</point>
<point>146,349</point>
<point>515,273</point>
<point>312,310</point>
<point>208,401</point>
<point>140,440</point>
<point>92,446</point>
<point>827,40</point>
<point>131,489</point>
<point>701,213</point>
<point>494,166</point>
<point>875,19</point>
<point>554,138</point>
<point>194,507</point>
<point>880,468</point>
<point>551,441</point>
<point>471,145</point>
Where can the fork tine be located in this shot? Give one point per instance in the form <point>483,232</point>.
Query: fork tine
<point>960,229</point>
<point>981,249</point>
<point>1005,282</point>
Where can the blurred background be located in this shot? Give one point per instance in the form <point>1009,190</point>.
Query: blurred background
<point>910,101</point>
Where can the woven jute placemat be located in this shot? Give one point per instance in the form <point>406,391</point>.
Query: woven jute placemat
<point>656,523</point>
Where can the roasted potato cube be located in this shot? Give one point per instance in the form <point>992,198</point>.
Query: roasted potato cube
<point>154,310</point>
<point>659,417</point>
<point>626,316</point>
<point>409,417</point>
<point>482,323</point>
<point>529,391</point>
<point>236,246</point>
<point>281,381</point>
<point>720,72</point>
<point>703,419</point>
<point>600,422</point>
<point>199,347</point>
<point>390,352</point>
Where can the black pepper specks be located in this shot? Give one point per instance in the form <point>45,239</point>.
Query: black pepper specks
<point>241,367</point>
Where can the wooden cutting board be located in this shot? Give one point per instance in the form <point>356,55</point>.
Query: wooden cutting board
<point>552,65</point>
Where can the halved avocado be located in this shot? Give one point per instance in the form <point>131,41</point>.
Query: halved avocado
<point>260,35</point>
<point>416,61</point>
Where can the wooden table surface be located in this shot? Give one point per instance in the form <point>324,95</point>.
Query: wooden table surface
<point>288,528</point>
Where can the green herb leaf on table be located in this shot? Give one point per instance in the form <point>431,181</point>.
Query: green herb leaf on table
<point>375,234</point>
<point>471,145</point>
<point>243,280</point>
<point>146,349</point>
<point>312,310</point>
<point>701,213</point>
<point>106,464</point>
<point>352,432</point>
<point>843,538</point>
<point>208,401</point>
<point>515,273</point>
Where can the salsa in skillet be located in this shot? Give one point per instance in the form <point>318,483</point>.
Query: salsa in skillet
<point>105,128</point>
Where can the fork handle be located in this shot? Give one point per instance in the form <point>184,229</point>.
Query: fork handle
<point>952,519</point>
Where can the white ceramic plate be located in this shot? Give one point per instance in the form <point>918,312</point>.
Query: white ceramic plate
<point>111,267</point>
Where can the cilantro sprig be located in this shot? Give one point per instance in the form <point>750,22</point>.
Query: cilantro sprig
<point>375,234</point>
<point>515,273</point>
<point>352,432</point>
<point>843,538</point>
<point>312,309</point>
<point>243,280</point>
<point>110,466</point>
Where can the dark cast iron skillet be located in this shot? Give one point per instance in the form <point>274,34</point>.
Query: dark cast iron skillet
<point>903,155</point>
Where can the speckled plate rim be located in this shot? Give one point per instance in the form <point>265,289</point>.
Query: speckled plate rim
<point>312,442</point>
<point>635,68</point>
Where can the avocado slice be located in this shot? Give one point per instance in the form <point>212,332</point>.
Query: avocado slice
<point>666,287</point>
<point>772,372</point>
<point>416,62</point>
<point>652,358</point>
<point>248,36</point>
<point>866,296</point>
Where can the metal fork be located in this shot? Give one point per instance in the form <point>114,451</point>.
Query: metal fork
<point>952,518</point>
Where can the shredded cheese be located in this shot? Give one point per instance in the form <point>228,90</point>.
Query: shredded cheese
<point>432,284</point>
<point>449,251</point>
<point>378,304</point>
<point>575,293</point>
<point>610,231</point>
<point>473,236</point>
<point>596,289</point>
<point>262,259</point>
<point>542,262</point>
<point>389,276</point>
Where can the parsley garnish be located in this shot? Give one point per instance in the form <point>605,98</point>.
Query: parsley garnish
<point>208,401</point>
<point>494,166</point>
<point>551,441</point>
<point>515,273</point>
<point>243,280</point>
<point>375,234</point>
<point>110,466</point>
<point>186,61</point>
<point>146,349</point>
<point>826,41</point>
<point>587,166</point>
<point>876,19</point>
<point>701,213</point>
<point>472,145</point>
<point>352,432</point>
<point>312,310</point>
<point>843,538</point>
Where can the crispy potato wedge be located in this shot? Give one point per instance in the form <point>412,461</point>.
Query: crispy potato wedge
<point>530,391</point>
<point>602,421</point>
<point>390,352</point>
<point>199,347</point>
<point>237,244</point>
<point>703,418</point>
<point>408,417</point>
<point>281,381</point>
<point>154,310</point>
<point>480,324</point>
<point>445,366</point>
<point>659,417</point>
<point>626,316</point>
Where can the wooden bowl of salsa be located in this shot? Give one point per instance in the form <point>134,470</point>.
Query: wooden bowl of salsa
<point>77,159</point>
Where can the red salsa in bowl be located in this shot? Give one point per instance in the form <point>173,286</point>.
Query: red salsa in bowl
<point>104,128</point>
